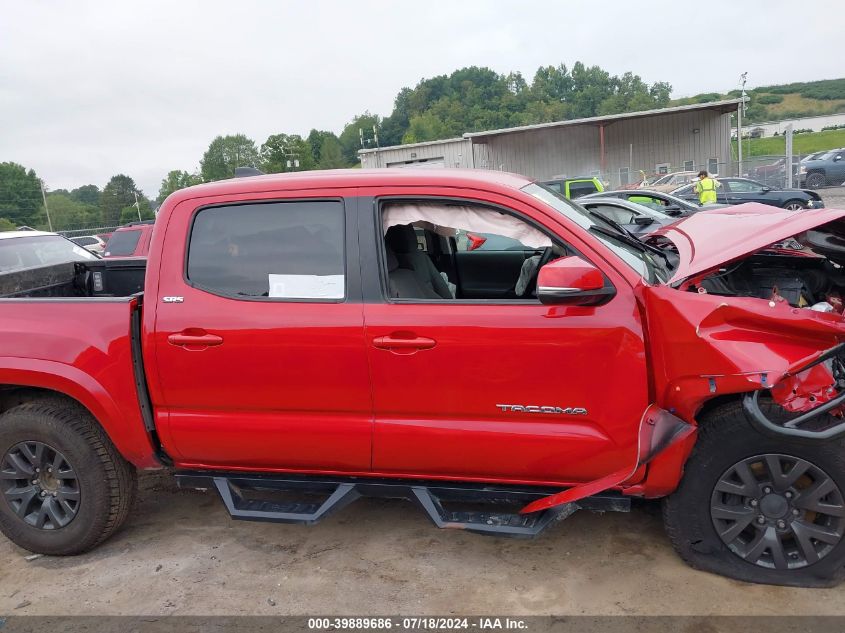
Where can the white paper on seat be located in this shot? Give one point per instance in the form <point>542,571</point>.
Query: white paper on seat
<point>306,286</point>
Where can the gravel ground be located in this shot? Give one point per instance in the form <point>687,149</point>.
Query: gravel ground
<point>181,554</point>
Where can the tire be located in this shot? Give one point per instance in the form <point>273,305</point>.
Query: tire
<point>794,205</point>
<point>815,180</point>
<point>92,494</point>
<point>766,547</point>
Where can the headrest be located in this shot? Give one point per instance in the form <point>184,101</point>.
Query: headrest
<point>401,238</point>
<point>392,262</point>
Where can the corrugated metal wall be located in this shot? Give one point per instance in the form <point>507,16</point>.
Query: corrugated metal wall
<point>637,144</point>
<point>454,153</point>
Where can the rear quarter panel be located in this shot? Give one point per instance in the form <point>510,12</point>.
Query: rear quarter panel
<point>81,348</point>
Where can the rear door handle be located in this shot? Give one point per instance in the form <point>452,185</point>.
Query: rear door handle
<point>198,340</point>
<point>400,343</point>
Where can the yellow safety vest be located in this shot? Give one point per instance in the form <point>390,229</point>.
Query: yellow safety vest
<point>706,189</point>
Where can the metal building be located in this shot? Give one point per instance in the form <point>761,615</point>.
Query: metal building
<point>615,147</point>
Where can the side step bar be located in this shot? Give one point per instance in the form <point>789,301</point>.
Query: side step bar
<point>485,509</point>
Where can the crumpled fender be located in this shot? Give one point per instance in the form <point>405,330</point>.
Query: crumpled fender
<point>703,346</point>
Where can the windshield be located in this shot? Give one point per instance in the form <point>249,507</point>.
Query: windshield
<point>644,263</point>
<point>19,253</point>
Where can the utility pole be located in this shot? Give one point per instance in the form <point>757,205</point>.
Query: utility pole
<point>740,111</point>
<point>44,198</point>
<point>137,206</point>
<point>788,157</point>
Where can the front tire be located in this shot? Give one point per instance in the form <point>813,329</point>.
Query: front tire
<point>794,205</point>
<point>816,180</point>
<point>760,508</point>
<point>64,488</point>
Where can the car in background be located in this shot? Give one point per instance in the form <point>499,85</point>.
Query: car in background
<point>573,188</point>
<point>656,200</point>
<point>132,240</point>
<point>635,218</point>
<point>93,243</point>
<point>672,181</point>
<point>22,250</point>
<point>827,169</point>
<point>741,190</point>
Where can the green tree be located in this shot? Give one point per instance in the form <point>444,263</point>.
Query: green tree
<point>331,156</point>
<point>286,152</point>
<point>315,140</point>
<point>117,194</point>
<point>68,213</point>
<point>350,138</point>
<point>20,195</point>
<point>87,194</point>
<point>175,180</point>
<point>225,153</point>
<point>6,225</point>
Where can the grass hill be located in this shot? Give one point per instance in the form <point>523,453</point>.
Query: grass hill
<point>786,101</point>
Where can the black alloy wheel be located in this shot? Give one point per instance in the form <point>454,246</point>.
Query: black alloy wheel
<point>40,485</point>
<point>778,512</point>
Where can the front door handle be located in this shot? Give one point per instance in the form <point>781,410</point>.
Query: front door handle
<point>412,343</point>
<point>196,339</point>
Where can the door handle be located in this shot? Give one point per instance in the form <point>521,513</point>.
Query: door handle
<point>194,340</point>
<point>397,343</point>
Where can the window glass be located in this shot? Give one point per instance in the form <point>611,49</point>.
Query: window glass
<point>40,250</point>
<point>744,186</point>
<point>123,243</point>
<point>284,250</point>
<point>578,189</point>
<point>617,214</point>
<point>713,166</point>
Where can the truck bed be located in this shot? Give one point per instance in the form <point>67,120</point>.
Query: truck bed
<point>100,278</point>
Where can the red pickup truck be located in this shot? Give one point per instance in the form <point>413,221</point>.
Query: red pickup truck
<point>305,339</point>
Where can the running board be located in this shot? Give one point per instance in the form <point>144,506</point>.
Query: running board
<point>485,509</point>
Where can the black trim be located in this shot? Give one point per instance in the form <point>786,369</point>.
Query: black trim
<point>238,203</point>
<point>144,400</point>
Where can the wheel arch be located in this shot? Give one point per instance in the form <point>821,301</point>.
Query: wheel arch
<point>26,380</point>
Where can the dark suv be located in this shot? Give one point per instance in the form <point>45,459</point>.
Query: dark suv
<point>828,169</point>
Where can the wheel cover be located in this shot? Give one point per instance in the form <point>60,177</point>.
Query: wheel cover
<point>778,512</point>
<point>794,206</point>
<point>39,485</point>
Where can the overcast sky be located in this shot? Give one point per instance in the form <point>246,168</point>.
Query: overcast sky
<point>91,89</point>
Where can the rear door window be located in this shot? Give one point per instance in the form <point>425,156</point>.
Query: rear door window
<point>123,243</point>
<point>582,188</point>
<point>278,250</point>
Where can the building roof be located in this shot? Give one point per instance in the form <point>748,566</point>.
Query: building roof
<point>726,105</point>
<point>372,150</point>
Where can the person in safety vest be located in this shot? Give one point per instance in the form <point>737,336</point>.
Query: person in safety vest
<point>706,188</point>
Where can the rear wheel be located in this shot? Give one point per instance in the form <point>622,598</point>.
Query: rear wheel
<point>760,508</point>
<point>816,180</point>
<point>63,486</point>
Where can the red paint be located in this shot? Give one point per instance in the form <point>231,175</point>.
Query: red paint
<point>475,241</point>
<point>411,390</point>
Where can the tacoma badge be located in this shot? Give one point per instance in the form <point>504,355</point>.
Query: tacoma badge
<point>528,408</point>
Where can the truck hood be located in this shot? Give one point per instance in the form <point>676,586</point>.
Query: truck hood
<point>712,238</point>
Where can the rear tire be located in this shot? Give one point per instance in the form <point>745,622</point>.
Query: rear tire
<point>737,513</point>
<point>82,491</point>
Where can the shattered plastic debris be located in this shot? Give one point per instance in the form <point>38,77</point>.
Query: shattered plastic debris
<point>822,306</point>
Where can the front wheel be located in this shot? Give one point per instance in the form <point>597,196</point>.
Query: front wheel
<point>816,180</point>
<point>64,488</point>
<point>794,205</point>
<point>760,508</point>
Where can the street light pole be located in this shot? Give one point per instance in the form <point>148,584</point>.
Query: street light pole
<point>740,111</point>
<point>44,198</point>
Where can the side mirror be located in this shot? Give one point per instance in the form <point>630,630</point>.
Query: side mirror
<point>837,158</point>
<point>766,189</point>
<point>572,281</point>
<point>643,220</point>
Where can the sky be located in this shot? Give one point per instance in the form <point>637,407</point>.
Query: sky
<point>89,89</point>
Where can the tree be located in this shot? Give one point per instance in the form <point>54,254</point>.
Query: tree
<point>6,225</point>
<point>331,156</point>
<point>117,194</point>
<point>20,195</point>
<point>315,140</point>
<point>176,180</point>
<point>350,138</point>
<point>286,152</point>
<point>87,194</point>
<point>225,153</point>
<point>67,213</point>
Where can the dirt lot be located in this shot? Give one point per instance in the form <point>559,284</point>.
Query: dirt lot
<point>181,554</point>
